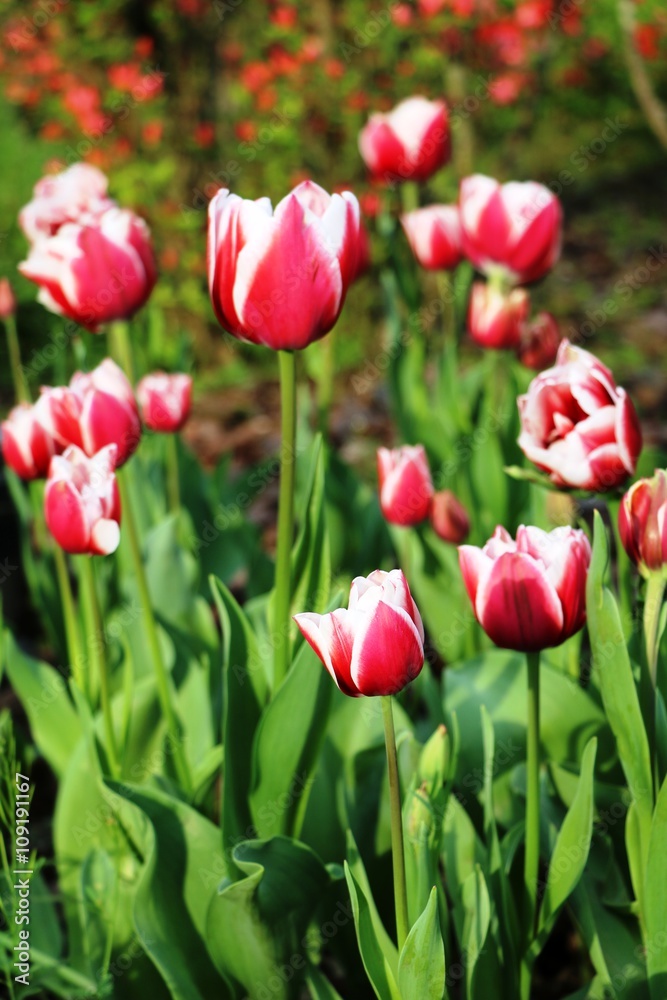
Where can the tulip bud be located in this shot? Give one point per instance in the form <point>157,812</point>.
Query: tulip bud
<point>27,447</point>
<point>165,401</point>
<point>409,143</point>
<point>642,524</point>
<point>81,502</point>
<point>434,234</point>
<point>406,488</point>
<point>495,318</point>
<point>7,299</point>
<point>376,646</point>
<point>420,816</point>
<point>540,339</point>
<point>433,767</point>
<point>449,518</point>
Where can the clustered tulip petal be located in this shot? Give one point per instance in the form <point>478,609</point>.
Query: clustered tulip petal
<point>642,523</point>
<point>408,143</point>
<point>578,425</point>
<point>81,501</point>
<point>280,278</point>
<point>406,487</point>
<point>528,594</point>
<point>164,401</point>
<point>376,646</point>
<point>27,447</point>
<point>434,235</point>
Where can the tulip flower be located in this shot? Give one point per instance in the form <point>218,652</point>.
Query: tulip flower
<point>376,646</point>
<point>540,339</point>
<point>95,272</point>
<point>434,234</point>
<point>449,518</point>
<point>98,408</point>
<point>642,524</point>
<point>513,229</point>
<point>81,502</point>
<point>7,299</point>
<point>406,487</point>
<point>280,278</point>
<point>578,425</point>
<point>27,447</point>
<point>165,401</point>
<point>496,318</point>
<point>78,194</point>
<point>528,594</point>
<point>408,143</point>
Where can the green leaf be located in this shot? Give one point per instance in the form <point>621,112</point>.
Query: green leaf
<point>380,975</point>
<point>356,866</point>
<point>477,906</point>
<point>462,853</point>
<point>320,987</point>
<point>655,894</point>
<point>311,564</point>
<point>421,967</point>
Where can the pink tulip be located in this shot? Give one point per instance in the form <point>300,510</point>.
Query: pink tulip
<point>578,425</point>
<point>279,278</point>
<point>165,401</point>
<point>434,234</point>
<point>514,228</point>
<point>96,272</point>
<point>528,594</point>
<point>408,143</point>
<point>406,488</point>
<point>96,409</point>
<point>7,299</point>
<point>540,339</point>
<point>78,194</point>
<point>81,502</point>
<point>449,518</point>
<point>642,523</point>
<point>376,646</point>
<point>27,447</point>
<point>496,318</point>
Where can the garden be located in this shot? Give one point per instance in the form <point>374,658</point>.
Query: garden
<point>333,500</point>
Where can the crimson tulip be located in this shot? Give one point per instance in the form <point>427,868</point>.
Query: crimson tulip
<point>81,501</point>
<point>528,594</point>
<point>540,339</point>
<point>280,277</point>
<point>406,487</point>
<point>77,194</point>
<point>578,425</point>
<point>165,401</point>
<point>642,523</point>
<point>449,518</point>
<point>514,228</point>
<point>408,143</point>
<point>495,317</point>
<point>376,646</point>
<point>27,447</point>
<point>434,234</point>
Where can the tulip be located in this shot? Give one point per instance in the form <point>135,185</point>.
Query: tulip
<point>7,299</point>
<point>280,278</point>
<point>496,318</point>
<point>81,502</point>
<point>376,646</point>
<point>512,228</point>
<point>27,447</point>
<point>78,194</point>
<point>95,272</point>
<point>528,594</point>
<point>406,488</point>
<point>578,425</point>
<point>96,409</point>
<point>165,401</point>
<point>449,518</point>
<point>642,523</point>
<point>434,234</point>
<point>409,143</point>
<point>540,339</point>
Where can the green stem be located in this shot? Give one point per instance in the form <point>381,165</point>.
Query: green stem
<point>655,589</point>
<point>283,583</point>
<point>397,850</point>
<point>72,634</point>
<point>173,482</point>
<point>120,347</point>
<point>20,384</point>
<point>97,650</point>
<point>161,675</point>
<point>532,852</point>
<point>409,196</point>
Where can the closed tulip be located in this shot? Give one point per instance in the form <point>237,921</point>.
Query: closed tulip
<point>578,425</point>
<point>434,234</point>
<point>95,272</point>
<point>279,278</point>
<point>406,487</point>
<point>376,646</point>
<point>165,401</point>
<point>81,502</point>
<point>449,518</point>
<point>408,143</point>
<point>512,228</point>
<point>77,194</point>
<point>495,317</point>
<point>27,447</point>
<point>528,594</point>
<point>642,523</point>
<point>540,338</point>
<point>7,299</point>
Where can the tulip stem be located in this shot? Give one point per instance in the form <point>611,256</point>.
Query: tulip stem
<point>20,384</point>
<point>161,675</point>
<point>283,582</point>
<point>173,481</point>
<point>655,589</point>
<point>121,347</point>
<point>409,196</point>
<point>96,643</point>
<point>532,849</point>
<point>72,635</point>
<point>397,850</point>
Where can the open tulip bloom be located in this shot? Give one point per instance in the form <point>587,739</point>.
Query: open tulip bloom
<point>81,501</point>
<point>77,194</point>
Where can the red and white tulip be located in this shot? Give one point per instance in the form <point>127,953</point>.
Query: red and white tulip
<point>27,447</point>
<point>449,518</point>
<point>406,487</point>
<point>540,339</point>
<point>434,234</point>
<point>81,501</point>
<point>495,317</point>
<point>77,194</point>
<point>642,523</point>
<point>165,401</point>
<point>408,143</point>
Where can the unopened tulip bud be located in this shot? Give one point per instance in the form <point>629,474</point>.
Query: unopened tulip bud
<point>449,518</point>
<point>165,401</point>
<point>496,317</point>
<point>406,487</point>
<point>540,339</point>
<point>642,523</point>
<point>7,299</point>
<point>408,143</point>
<point>434,235</point>
<point>433,766</point>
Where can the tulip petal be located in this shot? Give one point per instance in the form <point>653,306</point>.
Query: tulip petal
<point>65,516</point>
<point>475,565</point>
<point>628,432</point>
<point>387,652</point>
<point>517,606</point>
<point>331,636</point>
<point>105,537</point>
